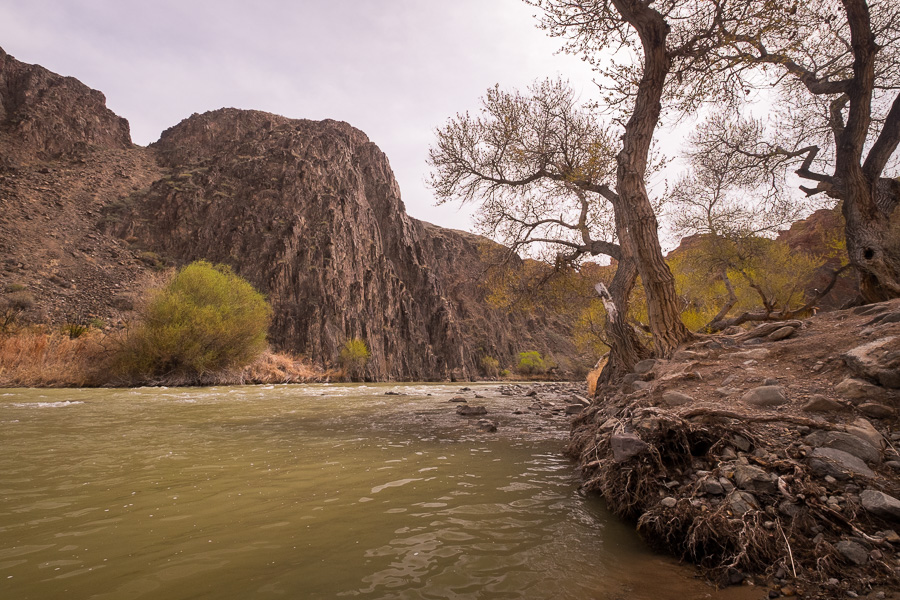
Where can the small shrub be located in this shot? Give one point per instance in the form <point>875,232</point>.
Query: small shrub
<point>11,308</point>
<point>531,363</point>
<point>354,356</point>
<point>75,329</point>
<point>15,287</point>
<point>76,325</point>
<point>204,320</point>
<point>490,366</point>
<point>505,373</point>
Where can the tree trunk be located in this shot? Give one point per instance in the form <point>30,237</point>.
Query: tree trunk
<point>872,229</point>
<point>873,244</point>
<point>626,348</point>
<point>634,204</point>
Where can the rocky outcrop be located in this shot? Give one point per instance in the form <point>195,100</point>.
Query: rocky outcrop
<point>46,115</point>
<point>308,211</point>
<point>311,214</point>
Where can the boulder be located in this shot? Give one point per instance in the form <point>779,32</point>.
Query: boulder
<point>852,389</point>
<point>470,411</point>
<point>862,428</point>
<point>635,386</point>
<point>645,366</point>
<point>754,479</point>
<point>673,398</point>
<point>487,426</point>
<point>837,463</point>
<point>878,360</point>
<point>822,404</point>
<point>713,487</point>
<point>765,396</point>
<point>876,410</point>
<point>852,552</point>
<point>752,354</point>
<point>880,504</point>
<point>849,443</point>
<point>741,443</point>
<point>742,502</point>
<point>626,446</point>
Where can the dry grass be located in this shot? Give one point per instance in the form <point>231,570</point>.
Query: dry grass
<point>273,367</point>
<point>34,358</point>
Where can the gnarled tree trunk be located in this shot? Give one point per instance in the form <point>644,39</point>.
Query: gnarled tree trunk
<point>872,228</point>
<point>634,204</point>
<point>626,347</point>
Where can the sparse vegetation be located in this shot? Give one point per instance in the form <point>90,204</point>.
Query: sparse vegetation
<point>490,366</point>
<point>75,329</point>
<point>33,357</point>
<point>354,357</point>
<point>36,357</point>
<point>12,306</point>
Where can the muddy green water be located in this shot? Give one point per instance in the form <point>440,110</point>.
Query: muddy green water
<point>322,491</point>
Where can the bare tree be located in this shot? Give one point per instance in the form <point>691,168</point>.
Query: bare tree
<point>540,167</point>
<point>660,50</point>
<point>731,200</point>
<point>836,65</point>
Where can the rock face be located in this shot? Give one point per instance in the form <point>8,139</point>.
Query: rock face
<point>309,212</point>
<point>46,115</point>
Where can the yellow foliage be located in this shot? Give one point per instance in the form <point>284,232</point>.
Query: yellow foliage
<point>756,267</point>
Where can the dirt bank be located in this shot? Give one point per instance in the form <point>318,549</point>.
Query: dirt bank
<point>765,456</point>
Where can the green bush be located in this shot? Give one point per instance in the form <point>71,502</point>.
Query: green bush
<point>531,363</point>
<point>204,320</point>
<point>354,356</point>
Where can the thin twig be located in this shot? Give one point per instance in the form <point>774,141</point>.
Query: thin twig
<point>790,553</point>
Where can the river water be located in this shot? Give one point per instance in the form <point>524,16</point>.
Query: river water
<point>313,491</point>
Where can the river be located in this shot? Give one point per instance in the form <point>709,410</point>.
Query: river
<point>304,491</point>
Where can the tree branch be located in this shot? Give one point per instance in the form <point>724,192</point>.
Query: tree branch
<point>885,145</point>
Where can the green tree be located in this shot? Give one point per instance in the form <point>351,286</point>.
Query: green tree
<point>205,319</point>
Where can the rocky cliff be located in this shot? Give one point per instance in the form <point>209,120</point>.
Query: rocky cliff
<point>45,115</point>
<point>308,211</point>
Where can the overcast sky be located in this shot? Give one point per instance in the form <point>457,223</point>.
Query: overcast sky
<point>396,69</point>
